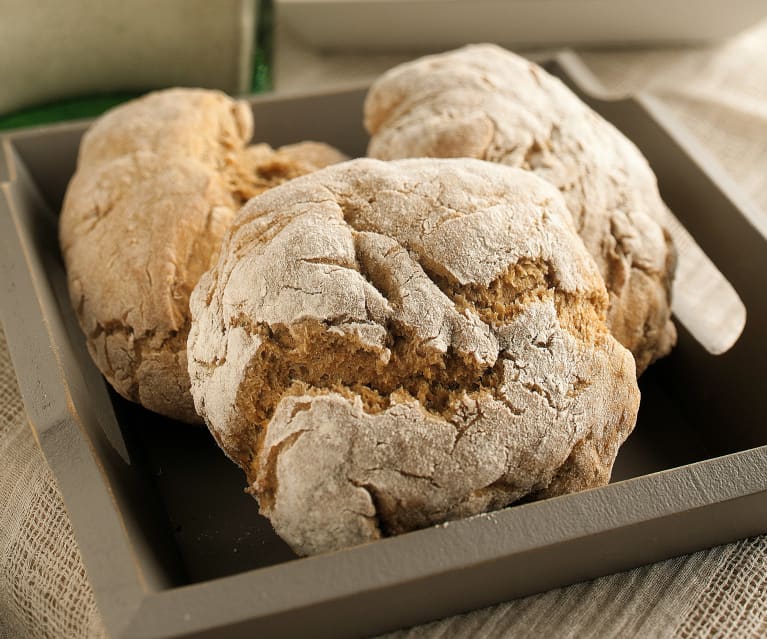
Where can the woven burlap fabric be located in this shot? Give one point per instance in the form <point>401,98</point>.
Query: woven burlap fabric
<point>44,591</point>
<point>721,95</point>
<point>733,602</point>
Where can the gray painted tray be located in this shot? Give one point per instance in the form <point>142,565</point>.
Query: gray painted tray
<point>174,548</point>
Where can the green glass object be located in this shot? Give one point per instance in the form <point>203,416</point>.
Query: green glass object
<point>94,105</point>
<point>263,48</point>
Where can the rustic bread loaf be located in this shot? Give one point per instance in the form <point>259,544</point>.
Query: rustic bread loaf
<point>157,183</point>
<point>484,102</point>
<point>382,346</point>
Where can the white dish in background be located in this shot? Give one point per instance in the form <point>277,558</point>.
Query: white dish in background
<point>429,25</point>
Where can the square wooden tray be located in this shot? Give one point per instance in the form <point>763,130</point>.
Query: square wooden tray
<point>173,547</point>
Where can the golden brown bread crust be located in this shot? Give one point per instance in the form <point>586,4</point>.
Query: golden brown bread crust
<point>158,182</point>
<point>484,102</point>
<point>382,346</point>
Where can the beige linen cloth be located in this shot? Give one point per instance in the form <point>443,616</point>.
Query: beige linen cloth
<point>720,93</point>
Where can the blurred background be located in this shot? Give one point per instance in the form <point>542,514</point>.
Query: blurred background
<point>64,60</point>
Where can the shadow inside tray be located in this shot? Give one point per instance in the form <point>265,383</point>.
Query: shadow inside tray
<point>214,524</point>
<point>665,435</point>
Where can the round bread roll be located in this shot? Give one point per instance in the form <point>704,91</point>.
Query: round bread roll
<point>382,346</point>
<point>158,181</point>
<point>483,101</point>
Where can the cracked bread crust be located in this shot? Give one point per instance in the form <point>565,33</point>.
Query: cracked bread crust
<point>157,184</point>
<point>484,102</point>
<point>382,346</point>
